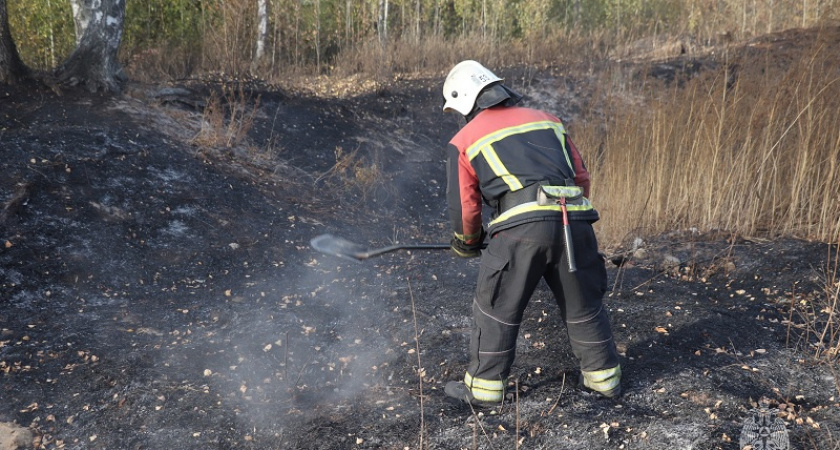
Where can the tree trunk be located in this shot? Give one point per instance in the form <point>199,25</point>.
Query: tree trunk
<point>99,33</point>
<point>418,21</point>
<point>80,20</point>
<point>382,22</point>
<point>484,19</point>
<point>262,29</point>
<point>12,69</point>
<point>318,35</point>
<point>348,22</point>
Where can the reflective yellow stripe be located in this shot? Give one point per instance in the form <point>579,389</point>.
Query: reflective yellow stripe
<point>602,380</point>
<point>533,206</point>
<point>465,237</point>
<point>483,383</point>
<point>499,168</point>
<point>476,148</point>
<point>487,396</point>
<point>563,191</point>
<point>484,146</point>
<point>485,390</point>
<point>561,135</point>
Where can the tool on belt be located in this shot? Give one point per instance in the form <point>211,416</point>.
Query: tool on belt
<point>561,195</point>
<point>337,246</point>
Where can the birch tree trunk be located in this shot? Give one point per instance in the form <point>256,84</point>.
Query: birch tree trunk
<point>417,20</point>
<point>99,26</point>
<point>79,20</point>
<point>382,22</point>
<point>12,69</point>
<point>348,21</point>
<point>318,35</point>
<point>262,29</point>
<point>484,19</point>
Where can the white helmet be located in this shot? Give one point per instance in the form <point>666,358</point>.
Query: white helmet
<point>463,84</point>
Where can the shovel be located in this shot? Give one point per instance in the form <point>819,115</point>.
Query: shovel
<point>337,246</point>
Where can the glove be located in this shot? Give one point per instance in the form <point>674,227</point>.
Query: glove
<point>464,250</point>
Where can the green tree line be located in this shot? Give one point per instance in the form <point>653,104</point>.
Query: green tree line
<point>222,34</point>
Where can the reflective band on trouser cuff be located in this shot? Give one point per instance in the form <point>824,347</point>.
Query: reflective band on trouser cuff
<point>490,391</point>
<point>602,380</point>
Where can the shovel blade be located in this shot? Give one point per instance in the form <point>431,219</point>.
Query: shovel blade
<point>338,246</point>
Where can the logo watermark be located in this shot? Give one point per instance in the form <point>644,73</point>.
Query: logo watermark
<point>764,430</point>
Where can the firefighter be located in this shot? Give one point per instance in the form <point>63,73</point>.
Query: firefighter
<point>522,163</point>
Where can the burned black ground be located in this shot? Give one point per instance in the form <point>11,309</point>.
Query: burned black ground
<point>157,293</point>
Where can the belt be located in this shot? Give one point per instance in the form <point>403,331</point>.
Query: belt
<point>526,194</point>
<point>515,198</point>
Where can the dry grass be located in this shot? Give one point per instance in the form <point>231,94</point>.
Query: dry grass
<point>421,372</point>
<point>752,152</point>
<point>352,171</point>
<point>828,347</point>
<point>751,149</point>
<point>436,54</point>
<point>813,317</point>
<point>227,118</point>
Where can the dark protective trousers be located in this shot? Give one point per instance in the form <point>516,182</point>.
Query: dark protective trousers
<point>511,267</point>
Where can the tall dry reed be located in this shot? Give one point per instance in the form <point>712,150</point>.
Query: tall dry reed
<point>753,149</point>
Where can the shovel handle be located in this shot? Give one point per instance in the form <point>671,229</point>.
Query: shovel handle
<point>391,248</point>
<point>337,246</point>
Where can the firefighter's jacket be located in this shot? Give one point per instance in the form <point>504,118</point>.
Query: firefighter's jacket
<point>507,149</point>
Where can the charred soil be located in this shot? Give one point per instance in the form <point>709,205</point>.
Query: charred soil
<point>158,290</point>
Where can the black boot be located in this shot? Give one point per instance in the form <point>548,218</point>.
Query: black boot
<point>610,393</point>
<point>459,391</point>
